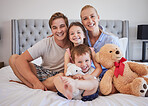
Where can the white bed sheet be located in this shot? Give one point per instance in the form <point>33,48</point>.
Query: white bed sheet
<point>14,94</point>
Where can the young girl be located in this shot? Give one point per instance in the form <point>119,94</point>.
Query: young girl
<point>76,33</point>
<point>96,35</point>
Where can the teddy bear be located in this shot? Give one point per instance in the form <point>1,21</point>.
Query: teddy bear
<point>123,76</point>
<point>72,69</point>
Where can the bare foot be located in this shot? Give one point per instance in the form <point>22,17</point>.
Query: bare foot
<point>68,91</point>
<point>16,82</point>
<point>69,87</point>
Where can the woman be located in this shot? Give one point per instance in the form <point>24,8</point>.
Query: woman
<point>96,35</point>
<point>51,49</point>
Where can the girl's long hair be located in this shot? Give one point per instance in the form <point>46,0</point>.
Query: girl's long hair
<point>83,29</point>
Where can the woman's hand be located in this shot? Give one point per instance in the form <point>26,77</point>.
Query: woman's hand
<point>88,76</point>
<point>49,36</point>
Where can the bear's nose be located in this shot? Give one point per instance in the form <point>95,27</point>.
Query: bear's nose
<point>117,52</point>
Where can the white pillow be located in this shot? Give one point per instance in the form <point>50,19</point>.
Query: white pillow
<point>123,45</point>
<point>37,61</point>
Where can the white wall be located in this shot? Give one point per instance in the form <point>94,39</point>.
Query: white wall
<point>133,10</point>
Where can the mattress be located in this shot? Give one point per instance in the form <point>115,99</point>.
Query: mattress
<point>15,94</point>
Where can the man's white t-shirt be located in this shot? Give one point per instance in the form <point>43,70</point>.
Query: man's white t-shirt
<point>52,54</point>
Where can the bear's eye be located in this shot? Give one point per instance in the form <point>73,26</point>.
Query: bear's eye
<point>76,70</point>
<point>110,51</point>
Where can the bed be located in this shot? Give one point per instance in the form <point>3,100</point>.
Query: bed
<point>25,33</point>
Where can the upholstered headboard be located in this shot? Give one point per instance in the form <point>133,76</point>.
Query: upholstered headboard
<point>26,32</point>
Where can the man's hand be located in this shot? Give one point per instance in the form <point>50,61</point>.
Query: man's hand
<point>39,85</point>
<point>78,76</point>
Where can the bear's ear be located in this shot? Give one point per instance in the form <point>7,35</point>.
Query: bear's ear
<point>69,64</point>
<point>97,57</point>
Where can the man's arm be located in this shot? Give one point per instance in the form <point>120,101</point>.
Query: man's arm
<point>23,67</point>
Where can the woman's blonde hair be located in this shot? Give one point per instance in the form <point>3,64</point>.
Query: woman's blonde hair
<point>83,29</point>
<point>88,6</point>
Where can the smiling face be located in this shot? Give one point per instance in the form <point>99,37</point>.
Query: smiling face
<point>90,18</point>
<point>108,54</point>
<point>76,35</point>
<point>59,29</point>
<point>83,61</point>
